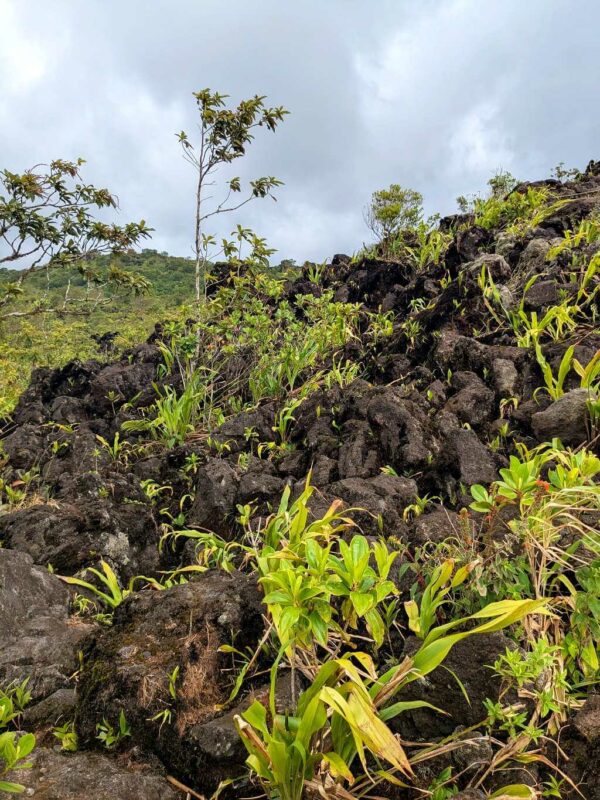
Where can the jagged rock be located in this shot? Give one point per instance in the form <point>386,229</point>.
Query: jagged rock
<point>128,669</point>
<point>39,639</point>
<point>325,470</point>
<point>435,526</point>
<point>566,418</point>
<point>495,264</point>
<point>234,431</point>
<point>533,257</point>
<point>358,456</point>
<point>216,489</point>
<point>405,434</point>
<point>25,445</point>
<point>468,244</point>
<point>541,295</point>
<point>385,495</point>
<point>56,709</point>
<point>70,537</point>
<point>90,776</point>
<point>474,404</point>
<point>469,660</point>
<point>505,377</point>
<point>116,383</point>
<point>474,460</point>
<point>67,410</point>
<point>587,720</point>
<point>258,486</point>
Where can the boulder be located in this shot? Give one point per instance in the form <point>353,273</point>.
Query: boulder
<point>587,720</point>
<point>467,662</point>
<point>215,499</point>
<point>384,495</point>
<point>473,404</point>
<point>467,455</point>
<point>165,643</point>
<point>71,536</point>
<point>40,641</point>
<point>90,776</point>
<point>505,377</point>
<point>567,418</point>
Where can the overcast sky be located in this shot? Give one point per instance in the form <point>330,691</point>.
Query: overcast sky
<point>433,94</point>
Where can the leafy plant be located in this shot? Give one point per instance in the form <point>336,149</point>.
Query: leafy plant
<point>110,736</point>
<point>224,136</point>
<point>67,737</point>
<point>392,210</point>
<point>423,614</point>
<point>114,594</point>
<point>14,749</point>
<point>47,222</point>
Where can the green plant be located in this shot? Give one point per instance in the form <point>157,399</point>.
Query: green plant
<point>212,551</point>
<point>431,248</point>
<point>284,419</point>
<point>520,482</point>
<point>224,136</point>
<point>110,736</point>
<point>392,210</point>
<point>423,614</point>
<point>14,749</point>
<point>417,508</point>
<point>13,700</point>
<point>343,715</point>
<point>47,223</point>
<point>116,449</point>
<point>554,386</point>
<point>362,587</point>
<point>114,594</point>
<point>174,415</point>
<point>67,737</point>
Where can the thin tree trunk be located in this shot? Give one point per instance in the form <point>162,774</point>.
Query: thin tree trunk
<point>200,260</point>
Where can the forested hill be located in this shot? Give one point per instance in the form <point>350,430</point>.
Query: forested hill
<point>171,277</point>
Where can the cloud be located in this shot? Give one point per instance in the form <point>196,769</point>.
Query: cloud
<point>434,95</point>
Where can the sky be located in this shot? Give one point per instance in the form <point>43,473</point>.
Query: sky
<point>436,95</point>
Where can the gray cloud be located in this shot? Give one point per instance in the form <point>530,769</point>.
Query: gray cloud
<point>433,94</point>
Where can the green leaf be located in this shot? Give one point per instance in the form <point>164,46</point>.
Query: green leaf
<point>361,602</point>
<point>11,788</point>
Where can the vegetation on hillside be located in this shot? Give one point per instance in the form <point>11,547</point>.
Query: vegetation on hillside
<point>303,435</point>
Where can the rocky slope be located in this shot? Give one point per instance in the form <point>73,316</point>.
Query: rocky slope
<point>423,419</point>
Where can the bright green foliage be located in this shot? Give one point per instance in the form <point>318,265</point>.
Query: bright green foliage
<point>13,700</point>
<point>14,749</point>
<point>552,548</point>
<point>393,210</point>
<point>318,587</point>
<point>110,736</point>
<point>423,615</point>
<point>114,594</point>
<point>519,483</point>
<point>173,417</point>
<point>303,566</point>
<point>431,248</point>
<point>67,737</point>
<point>517,212</point>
